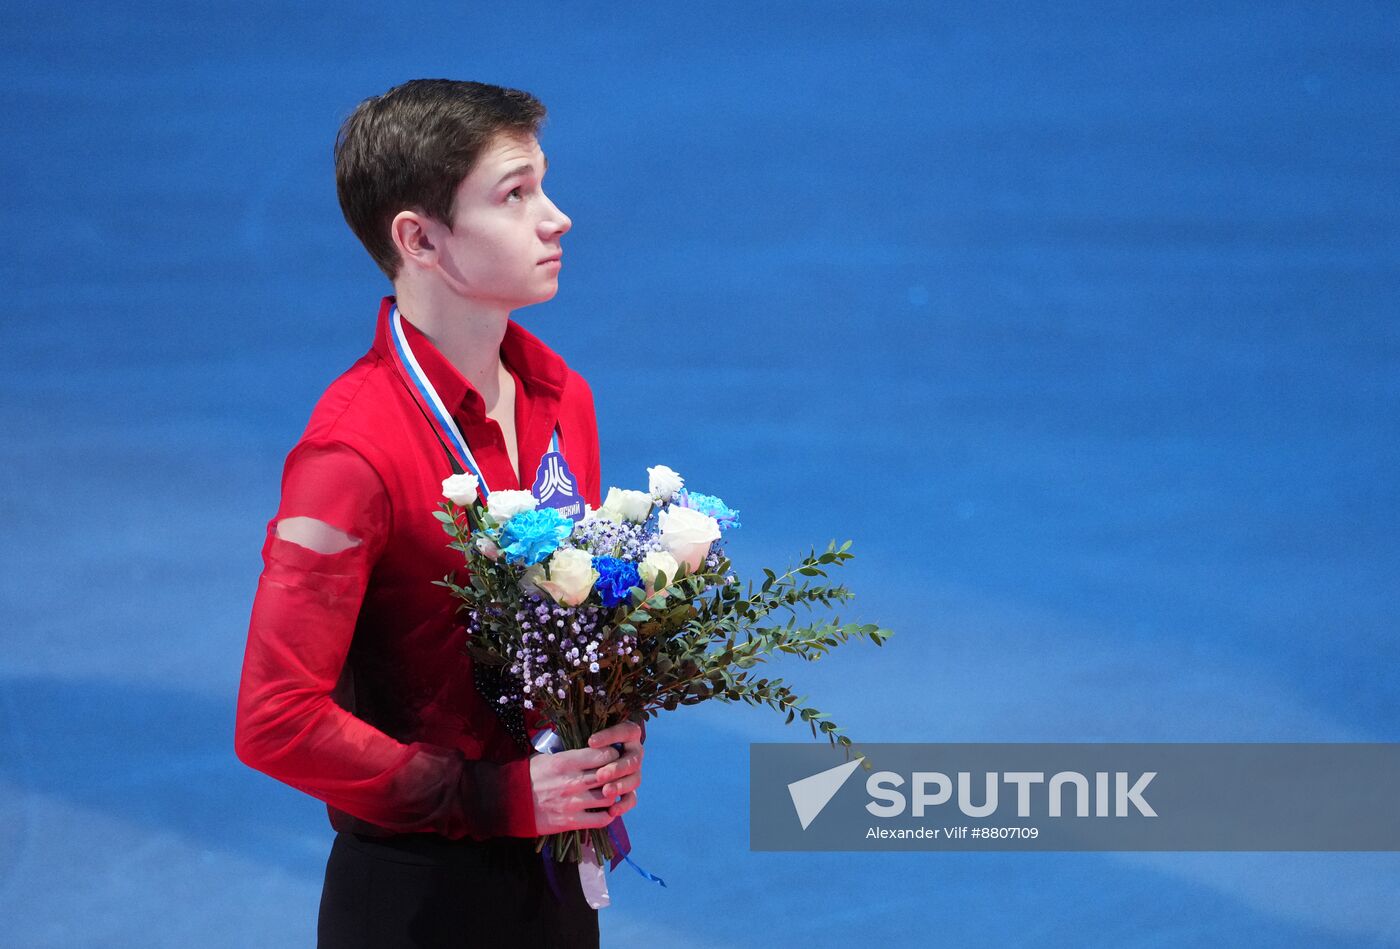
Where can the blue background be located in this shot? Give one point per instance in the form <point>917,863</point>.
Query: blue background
<point>1080,320</point>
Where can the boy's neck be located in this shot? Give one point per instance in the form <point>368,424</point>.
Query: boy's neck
<point>467,332</point>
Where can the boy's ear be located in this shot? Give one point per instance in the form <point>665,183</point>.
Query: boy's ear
<point>409,232</point>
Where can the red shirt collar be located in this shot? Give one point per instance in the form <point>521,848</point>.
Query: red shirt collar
<point>541,371</point>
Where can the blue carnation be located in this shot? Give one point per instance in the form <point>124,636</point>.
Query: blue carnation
<point>531,536</point>
<point>616,577</point>
<point>713,506</point>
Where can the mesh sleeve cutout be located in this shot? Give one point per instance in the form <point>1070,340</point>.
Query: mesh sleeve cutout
<point>330,528</point>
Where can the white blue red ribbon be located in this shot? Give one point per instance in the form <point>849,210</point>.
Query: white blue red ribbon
<point>445,422</point>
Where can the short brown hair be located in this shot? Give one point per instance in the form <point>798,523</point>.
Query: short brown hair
<point>412,146</point>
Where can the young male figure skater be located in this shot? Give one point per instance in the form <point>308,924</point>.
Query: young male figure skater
<point>355,688</point>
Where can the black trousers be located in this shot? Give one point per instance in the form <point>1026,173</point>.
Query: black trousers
<point>422,891</point>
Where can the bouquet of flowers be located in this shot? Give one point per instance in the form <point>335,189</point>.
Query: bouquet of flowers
<point>630,610</point>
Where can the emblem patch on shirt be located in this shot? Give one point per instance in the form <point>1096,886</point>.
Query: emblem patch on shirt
<point>555,486</point>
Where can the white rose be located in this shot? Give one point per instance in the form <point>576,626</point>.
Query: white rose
<point>658,561</point>
<point>627,505</point>
<point>460,489</point>
<point>687,535</point>
<point>503,505</point>
<point>571,576</point>
<point>663,482</point>
<point>487,546</point>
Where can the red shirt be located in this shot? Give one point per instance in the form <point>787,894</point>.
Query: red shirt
<point>355,688</point>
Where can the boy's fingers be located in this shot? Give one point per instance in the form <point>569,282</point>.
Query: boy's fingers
<point>604,756</point>
<point>629,764</point>
<point>624,804</point>
<point>590,798</point>
<point>621,786</point>
<point>622,731</point>
<point>587,759</point>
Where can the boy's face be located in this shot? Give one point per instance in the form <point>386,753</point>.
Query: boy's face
<point>504,228</point>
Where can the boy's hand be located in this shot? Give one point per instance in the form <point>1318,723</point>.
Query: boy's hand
<point>623,776</point>
<point>578,789</point>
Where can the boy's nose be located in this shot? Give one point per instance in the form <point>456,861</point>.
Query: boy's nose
<point>558,222</point>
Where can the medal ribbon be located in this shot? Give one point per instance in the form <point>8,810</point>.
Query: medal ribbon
<point>438,414</point>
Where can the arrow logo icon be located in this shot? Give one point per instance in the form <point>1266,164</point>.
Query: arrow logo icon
<point>811,794</point>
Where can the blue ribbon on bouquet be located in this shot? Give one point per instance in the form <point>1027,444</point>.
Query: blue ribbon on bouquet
<point>623,846</point>
<point>547,742</point>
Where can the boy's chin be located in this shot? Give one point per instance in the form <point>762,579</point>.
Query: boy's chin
<point>538,294</point>
<point>548,294</point>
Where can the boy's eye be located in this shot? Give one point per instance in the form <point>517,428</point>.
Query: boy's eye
<point>513,191</point>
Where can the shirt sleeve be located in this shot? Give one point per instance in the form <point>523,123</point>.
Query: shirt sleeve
<point>331,526</point>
